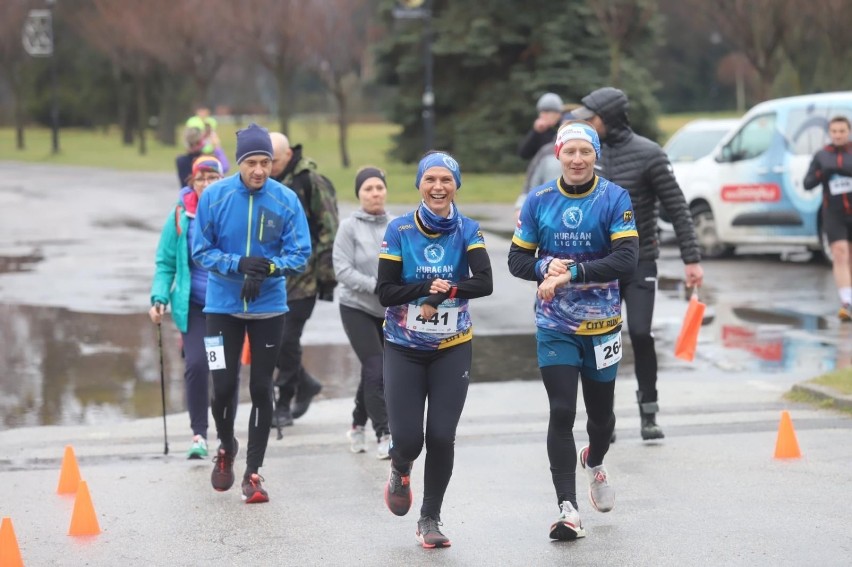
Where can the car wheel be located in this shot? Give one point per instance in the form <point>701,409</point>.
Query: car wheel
<point>705,232</point>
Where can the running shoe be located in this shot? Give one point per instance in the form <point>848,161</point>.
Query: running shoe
<point>845,313</point>
<point>253,491</point>
<point>357,439</point>
<point>222,477</point>
<point>398,495</point>
<point>601,494</point>
<point>383,450</point>
<point>304,395</point>
<point>568,527</point>
<point>429,533</point>
<point>198,449</point>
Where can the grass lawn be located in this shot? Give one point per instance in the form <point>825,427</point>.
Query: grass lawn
<point>839,380</point>
<point>368,144</point>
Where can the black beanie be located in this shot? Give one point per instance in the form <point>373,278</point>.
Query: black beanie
<point>253,140</point>
<point>366,173</point>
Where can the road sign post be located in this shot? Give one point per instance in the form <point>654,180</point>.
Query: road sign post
<point>37,38</point>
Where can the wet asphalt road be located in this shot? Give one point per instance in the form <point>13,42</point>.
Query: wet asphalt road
<point>77,281</point>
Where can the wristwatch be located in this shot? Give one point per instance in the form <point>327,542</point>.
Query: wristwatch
<point>572,268</point>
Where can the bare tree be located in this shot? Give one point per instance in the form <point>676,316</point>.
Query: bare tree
<point>273,33</point>
<point>114,29</point>
<point>13,58</point>
<point>622,22</point>
<point>757,29</point>
<point>335,50</point>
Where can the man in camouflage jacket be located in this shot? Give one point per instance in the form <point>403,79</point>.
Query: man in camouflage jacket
<point>296,387</point>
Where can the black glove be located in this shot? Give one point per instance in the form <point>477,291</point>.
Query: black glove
<point>254,266</point>
<point>325,291</point>
<point>251,289</point>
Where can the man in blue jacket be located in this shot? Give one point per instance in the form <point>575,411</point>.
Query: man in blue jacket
<point>252,234</point>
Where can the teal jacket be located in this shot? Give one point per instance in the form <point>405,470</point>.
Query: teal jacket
<point>172,278</point>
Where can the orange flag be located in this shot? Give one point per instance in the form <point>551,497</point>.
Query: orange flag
<point>688,338</point>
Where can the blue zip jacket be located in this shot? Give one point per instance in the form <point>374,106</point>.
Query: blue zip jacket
<point>233,222</point>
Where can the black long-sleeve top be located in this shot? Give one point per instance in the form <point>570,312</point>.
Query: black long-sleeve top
<point>392,291</point>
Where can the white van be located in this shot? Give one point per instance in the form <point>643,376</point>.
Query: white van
<point>751,191</point>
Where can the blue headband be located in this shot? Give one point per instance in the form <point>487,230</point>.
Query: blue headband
<point>438,159</point>
<point>578,131</point>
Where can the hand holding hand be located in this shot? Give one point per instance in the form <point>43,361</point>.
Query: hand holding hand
<point>547,288</point>
<point>440,286</point>
<point>156,313</point>
<point>556,268</point>
<point>427,311</point>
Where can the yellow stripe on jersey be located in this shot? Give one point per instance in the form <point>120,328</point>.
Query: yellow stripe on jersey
<point>391,257</point>
<point>457,339</point>
<point>477,245</point>
<point>524,243</point>
<point>625,234</point>
<point>598,326</point>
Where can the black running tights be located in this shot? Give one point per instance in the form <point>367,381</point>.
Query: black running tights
<point>411,377</point>
<point>561,385</point>
<point>265,339</point>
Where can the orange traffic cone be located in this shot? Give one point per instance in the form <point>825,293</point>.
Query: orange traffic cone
<point>10,554</point>
<point>69,476</point>
<point>786,446</point>
<point>83,519</point>
<point>246,356</point>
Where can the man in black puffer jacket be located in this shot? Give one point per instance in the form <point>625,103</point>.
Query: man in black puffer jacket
<point>642,167</point>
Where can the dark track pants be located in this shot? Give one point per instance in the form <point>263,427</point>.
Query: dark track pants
<point>367,339</point>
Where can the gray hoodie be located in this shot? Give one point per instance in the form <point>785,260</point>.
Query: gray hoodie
<point>356,260</point>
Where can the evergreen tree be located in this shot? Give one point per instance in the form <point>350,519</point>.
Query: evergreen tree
<point>492,60</point>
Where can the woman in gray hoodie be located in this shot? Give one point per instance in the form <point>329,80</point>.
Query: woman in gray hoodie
<point>356,264</point>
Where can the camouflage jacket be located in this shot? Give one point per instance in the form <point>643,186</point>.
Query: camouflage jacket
<point>301,176</point>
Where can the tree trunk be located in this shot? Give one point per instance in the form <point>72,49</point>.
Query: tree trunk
<point>283,109</point>
<point>125,121</point>
<point>168,118</point>
<point>19,110</point>
<point>614,63</point>
<point>342,123</point>
<point>141,113</point>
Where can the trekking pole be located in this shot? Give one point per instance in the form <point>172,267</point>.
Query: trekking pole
<point>163,388</point>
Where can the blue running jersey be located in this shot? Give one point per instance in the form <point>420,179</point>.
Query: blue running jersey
<point>581,228</point>
<point>426,257</point>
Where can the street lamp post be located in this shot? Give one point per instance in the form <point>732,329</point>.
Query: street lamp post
<point>428,94</point>
<point>37,38</point>
<point>422,10</point>
<point>54,86</point>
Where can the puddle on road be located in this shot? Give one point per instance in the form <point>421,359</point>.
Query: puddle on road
<point>766,339</point>
<point>61,367</point>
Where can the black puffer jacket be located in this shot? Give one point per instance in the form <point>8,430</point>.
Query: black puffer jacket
<point>642,168</point>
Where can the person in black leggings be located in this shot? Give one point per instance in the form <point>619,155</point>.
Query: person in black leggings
<point>432,261</point>
<point>356,266</point>
<point>576,236</point>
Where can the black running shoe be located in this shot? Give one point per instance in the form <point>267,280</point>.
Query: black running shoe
<point>398,495</point>
<point>429,533</point>
<point>253,491</point>
<point>304,396</point>
<point>222,477</point>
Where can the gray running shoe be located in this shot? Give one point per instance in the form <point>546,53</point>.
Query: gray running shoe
<point>222,477</point>
<point>357,439</point>
<point>568,527</point>
<point>601,494</point>
<point>429,533</point>
<point>383,449</point>
<point>398,495</point>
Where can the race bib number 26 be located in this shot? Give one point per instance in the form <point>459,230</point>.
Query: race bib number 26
<point>215,347</point>
<point>607,350</point>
